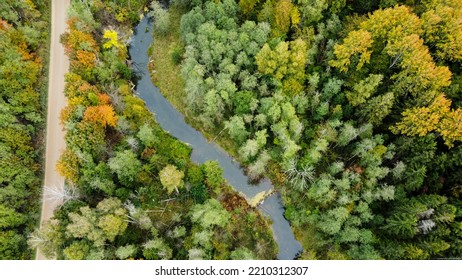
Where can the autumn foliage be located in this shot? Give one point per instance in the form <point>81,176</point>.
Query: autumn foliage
<point>437,117</point>
<point>81,47</point>
<point>68,166</point>
<point>85,59</point>
<point>101,114</point>
<point>23,89</point>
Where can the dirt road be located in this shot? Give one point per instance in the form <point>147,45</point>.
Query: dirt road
<point>59,65</point>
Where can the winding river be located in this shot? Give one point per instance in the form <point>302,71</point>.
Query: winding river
<point>173,121</point>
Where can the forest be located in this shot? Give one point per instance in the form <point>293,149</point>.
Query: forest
<point>351,107</point>
<point>23,84</point>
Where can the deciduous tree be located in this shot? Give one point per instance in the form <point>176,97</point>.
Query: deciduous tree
<point>171,178</point>
<point>210,214</point>
<point>102,114</point>
<point>126,165</point>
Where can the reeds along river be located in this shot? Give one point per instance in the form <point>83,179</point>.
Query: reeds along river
<point>173,122</point>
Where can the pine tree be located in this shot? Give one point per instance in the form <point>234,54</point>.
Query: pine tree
<point>363,90</point>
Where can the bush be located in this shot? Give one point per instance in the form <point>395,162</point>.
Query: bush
<point>177,55</point>
<point>199,193</point>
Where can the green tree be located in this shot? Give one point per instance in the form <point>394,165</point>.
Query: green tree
<point>49,238</point>
<point>402,224</point>
<point>312,10</point>
<point>249,150</point>
<point>236,129</point>
<point>259,166</point>
<point>244,102</point>
<point>147,136</point>
<point>22,25</point>
<point>363,90</point>
<point>210,214</point>
<point>377,108</point>
<point>161,18</point>
<point>12,245</point>
<point>213,174</point>
<point>286,63</point>
<point>242,254</point>
<point>78,250</point>
<point>9,218</point>
<point>248,6</point>
<point>99,225</point>
<point>126,165</point>
<point>157,249</point>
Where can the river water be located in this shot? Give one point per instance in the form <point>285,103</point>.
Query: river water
<point>173,122</point>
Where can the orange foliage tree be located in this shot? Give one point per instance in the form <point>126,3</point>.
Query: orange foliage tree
<point>81,48</point>
<point>103,98</point>
<point>102,114</point>
<point>75,39</point>
<point>85,59</point>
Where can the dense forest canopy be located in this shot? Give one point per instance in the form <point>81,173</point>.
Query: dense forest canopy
<point>23,56</point>
<point>351,107</point>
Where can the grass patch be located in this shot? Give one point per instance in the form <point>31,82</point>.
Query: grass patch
<point>306,236</point>
<point>165,74</point>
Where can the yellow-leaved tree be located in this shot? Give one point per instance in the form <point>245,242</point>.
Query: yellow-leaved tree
<point>442,23</point>
<point>438,117</point>
<point>286,63</point>
<point>396,33</point>
<point>113,39</point>
<point>358,42</point>
<point>171,178</point>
